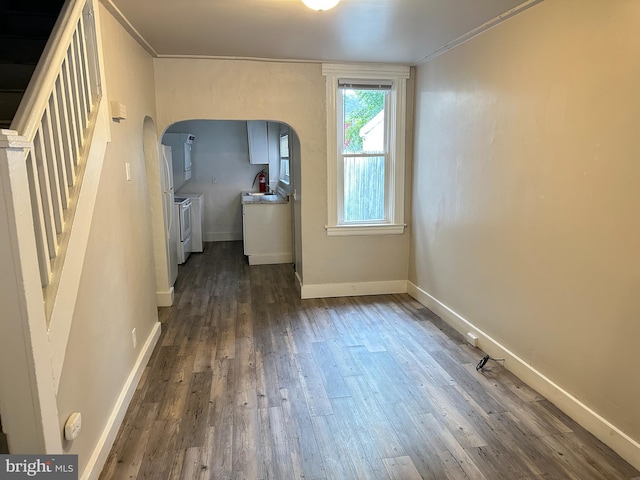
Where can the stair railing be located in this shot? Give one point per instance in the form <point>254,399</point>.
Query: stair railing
<point>57,115</point>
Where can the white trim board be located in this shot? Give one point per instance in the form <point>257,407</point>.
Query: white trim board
<point>165,299</point>
<point>478,30</point>
<point>105,442</point>
<point>600,427</point>
<point>325,290</point>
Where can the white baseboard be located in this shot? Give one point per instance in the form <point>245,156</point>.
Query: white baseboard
<point>270,259</point>
<point>103,447</point>
<point>600,427</point>
<point>353,289</point>
<point>165,299</point>
<point>221,236</point>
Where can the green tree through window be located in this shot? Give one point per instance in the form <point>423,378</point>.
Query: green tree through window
<point>360,107</point>
<point>366,110</point>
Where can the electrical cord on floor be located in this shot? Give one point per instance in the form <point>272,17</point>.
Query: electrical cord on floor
<point>483,361</point>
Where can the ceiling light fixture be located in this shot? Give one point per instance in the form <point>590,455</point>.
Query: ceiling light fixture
<point>320,5</point>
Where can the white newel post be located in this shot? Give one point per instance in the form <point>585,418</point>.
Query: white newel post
<point>27,393</point>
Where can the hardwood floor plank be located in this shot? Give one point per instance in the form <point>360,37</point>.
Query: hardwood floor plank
<point>205,354</point>
<point>245,370</point>
<point>302,441</point>
<point>401,468</point>
<point>128,457</point>
<point>333,381</point>
<point>388,381</point>
<point>419,447</point>
<point>312,384</point>
<point>568,452</point>
<point>249,382</point>
<point>469,382</point>
<point>245,432</point>
<point>455,460</point>
<point>159,451</point>
<point>281,452</point>
<point>196,412</point>
<point>336,459</point>
<point>379,427</point>
<point>363,451</point>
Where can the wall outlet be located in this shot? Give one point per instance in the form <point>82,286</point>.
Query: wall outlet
<point>472,339</point>
<point>134,338</point>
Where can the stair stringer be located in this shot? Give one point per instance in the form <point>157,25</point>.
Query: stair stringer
<point>71,272</point>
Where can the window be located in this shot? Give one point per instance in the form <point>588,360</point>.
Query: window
<point>366,108</point>
<point>284,158</point>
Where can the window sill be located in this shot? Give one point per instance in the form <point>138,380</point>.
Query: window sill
<point>353,230</point>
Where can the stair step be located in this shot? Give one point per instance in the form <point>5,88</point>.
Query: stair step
<point>15,76</point>
<point>9,101</point>
<point>21,50</point>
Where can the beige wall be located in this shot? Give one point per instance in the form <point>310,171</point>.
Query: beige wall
<point>526,206</point>
<point>293,93</point>
<point>117,291</point>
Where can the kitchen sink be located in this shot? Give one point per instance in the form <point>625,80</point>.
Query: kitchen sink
<point>258,194</point>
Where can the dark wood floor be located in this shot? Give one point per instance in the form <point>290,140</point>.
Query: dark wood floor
<point>250,382</point>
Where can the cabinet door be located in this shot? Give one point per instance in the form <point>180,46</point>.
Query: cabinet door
<point>258,142</point>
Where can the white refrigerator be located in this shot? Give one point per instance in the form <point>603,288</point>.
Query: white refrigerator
<point>170,222</point>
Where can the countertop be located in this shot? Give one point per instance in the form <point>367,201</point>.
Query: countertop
<point>263,199</point>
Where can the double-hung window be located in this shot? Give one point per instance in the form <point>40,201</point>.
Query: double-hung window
<point>284,157</point>
<point>366,109</point>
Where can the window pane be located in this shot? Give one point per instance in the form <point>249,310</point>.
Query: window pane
<point>284,145</point>
<point>363,121</point>
<point>363,189</point>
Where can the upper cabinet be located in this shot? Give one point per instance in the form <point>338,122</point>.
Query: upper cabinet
<point>258,142</point>
<point>263,141</point>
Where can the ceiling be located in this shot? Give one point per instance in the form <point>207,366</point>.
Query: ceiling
<point>379,31</point>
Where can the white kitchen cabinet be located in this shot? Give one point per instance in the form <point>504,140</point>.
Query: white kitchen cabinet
<point>263,138</point>
<point>267,233</point>
<point>258,142</point>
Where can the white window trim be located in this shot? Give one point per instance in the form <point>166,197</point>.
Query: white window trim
<point>398,76</point>
<point>284,178</point>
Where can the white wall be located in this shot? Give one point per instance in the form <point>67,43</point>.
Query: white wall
<point>526,202</point>
<point>117,291</point>
<point>220,154</point>
<point>292,93</point>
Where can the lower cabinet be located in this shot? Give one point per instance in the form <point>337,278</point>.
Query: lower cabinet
<point>266,232</point>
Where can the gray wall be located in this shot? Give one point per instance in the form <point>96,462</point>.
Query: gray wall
<point>526,204</point>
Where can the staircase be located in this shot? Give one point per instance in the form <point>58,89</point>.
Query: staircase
<point>25,27</point>
<point>50,163</point>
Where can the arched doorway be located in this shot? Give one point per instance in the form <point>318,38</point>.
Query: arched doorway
<point>222,169</point>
